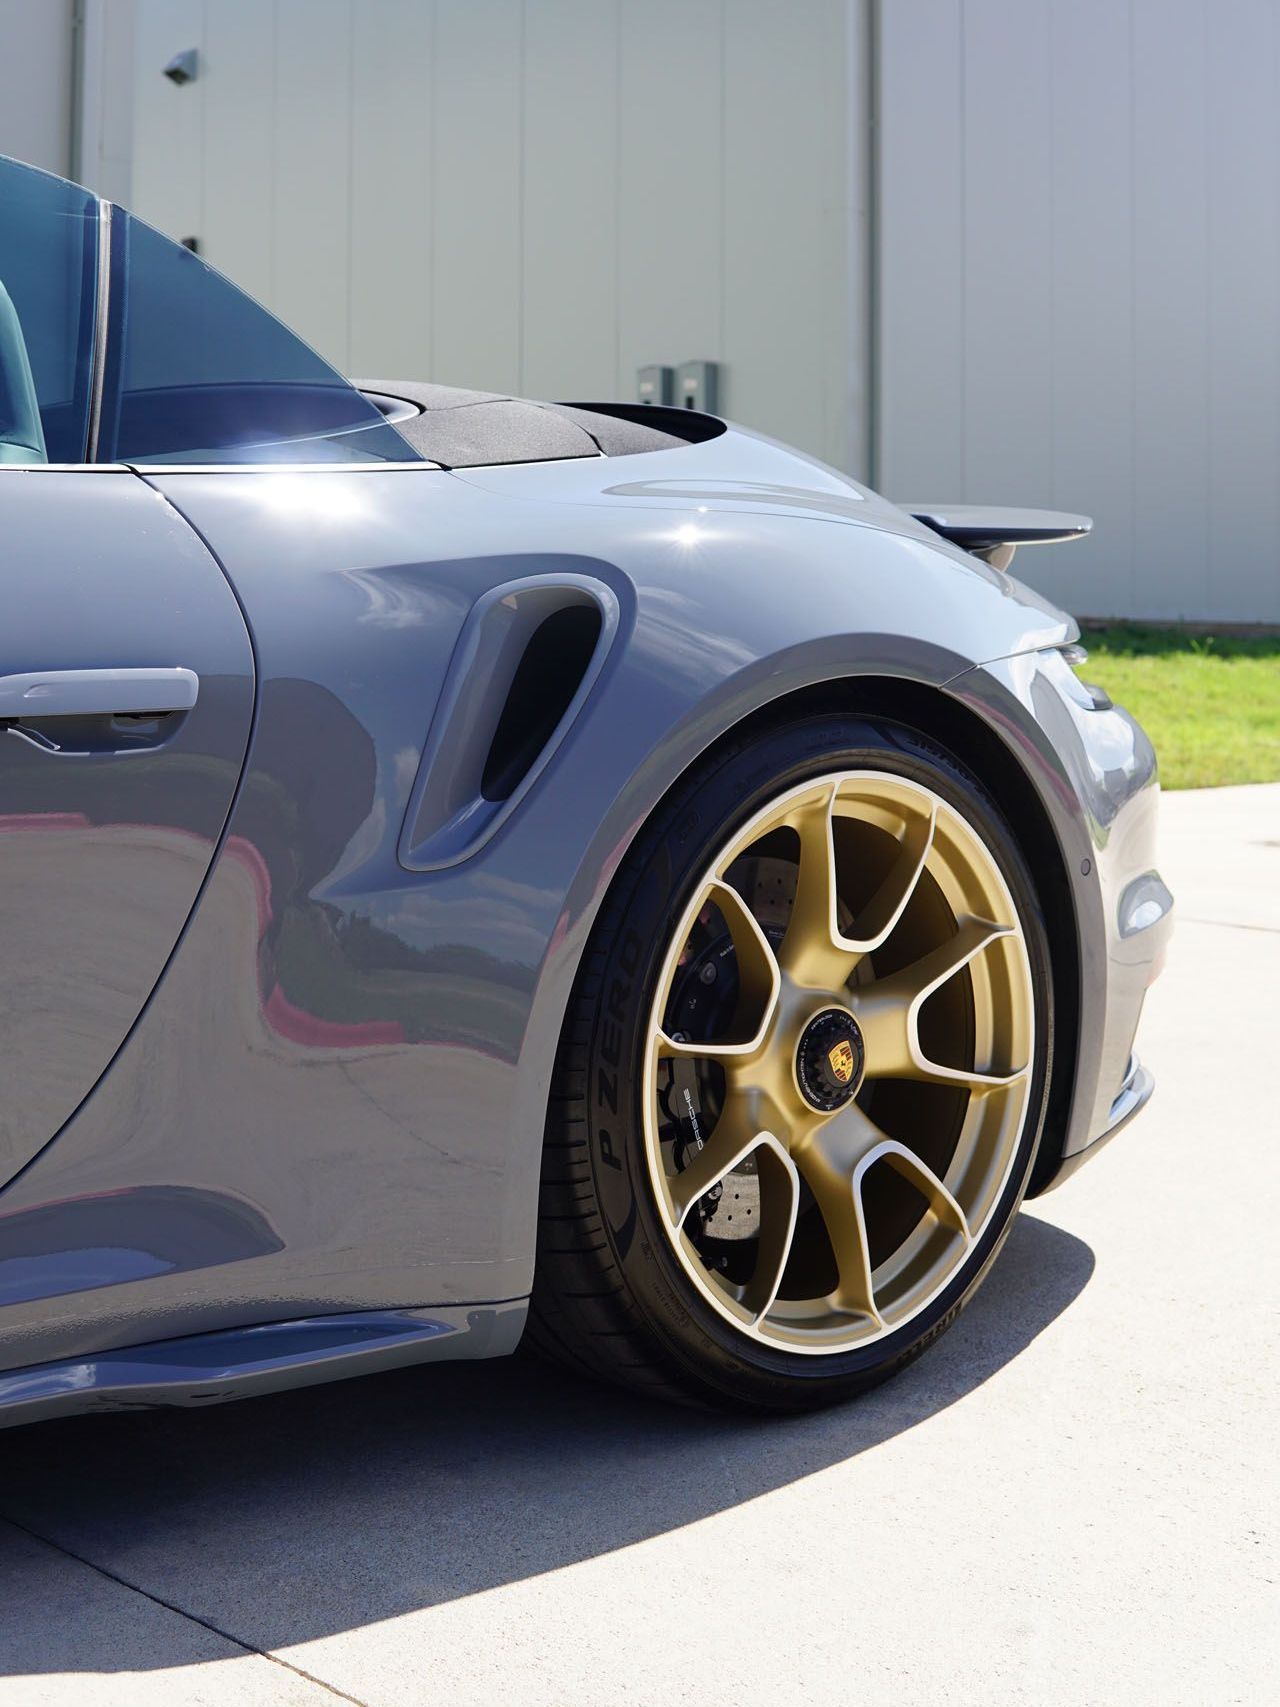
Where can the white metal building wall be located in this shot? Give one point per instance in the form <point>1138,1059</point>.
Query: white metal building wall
<point>531,195</point>
<point>35,82</point>
<point>1079,285</point>
<point>104,135</point>
<point>1077,231</point>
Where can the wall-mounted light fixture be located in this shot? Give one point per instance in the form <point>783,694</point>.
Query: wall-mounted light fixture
<point>182,68</point>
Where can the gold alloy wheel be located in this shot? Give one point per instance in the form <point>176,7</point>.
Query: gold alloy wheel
<point>838,1064</point>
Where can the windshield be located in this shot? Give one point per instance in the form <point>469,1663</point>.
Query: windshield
<point>189,368</point>
<point>196,371</point>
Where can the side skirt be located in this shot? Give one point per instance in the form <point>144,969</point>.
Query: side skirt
<point>236,1363</point>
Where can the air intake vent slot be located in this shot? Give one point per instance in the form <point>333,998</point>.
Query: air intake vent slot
<point>546,679</point>
<point>521,671</point>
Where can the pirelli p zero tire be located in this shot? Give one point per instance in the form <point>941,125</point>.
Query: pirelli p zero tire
<point>802,1077</point>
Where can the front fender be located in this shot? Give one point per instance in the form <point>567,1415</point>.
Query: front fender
<point>376,1043</point>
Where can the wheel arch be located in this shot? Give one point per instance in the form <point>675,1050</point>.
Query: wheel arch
<point>931,713</point>
<point>940,716</point>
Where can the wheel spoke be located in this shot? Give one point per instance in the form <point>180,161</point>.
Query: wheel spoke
<point>888,1013</point>
<point>932,970</point>
<point>884,1021</point>
<point>813,952</point>
<point>830,1160</point>
<point>779,1205</point>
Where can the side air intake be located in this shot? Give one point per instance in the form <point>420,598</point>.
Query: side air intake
<point>520,673</point>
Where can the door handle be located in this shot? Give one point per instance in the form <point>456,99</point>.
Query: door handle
<point>97,693</point>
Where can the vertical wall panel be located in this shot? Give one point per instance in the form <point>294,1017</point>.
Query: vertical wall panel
<point>312,225</point>
<point>670,178</point>
<point>391,72</point>
<point>35,82</point>
<point>851,405</point>
<point>1171,302</point>
<point>478,189</point>
<point>168,119</point>
<point>920,289</point>
<point>1244,311</point>
<point>238,74</point>
<point>1078,277</point>
<point>1091,252</point>
<point>568,301</point>
<point>1007,250</point>
<point>105,164</point>
<point>786,292</point>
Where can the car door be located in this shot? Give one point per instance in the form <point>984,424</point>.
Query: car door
<point>126,687</point>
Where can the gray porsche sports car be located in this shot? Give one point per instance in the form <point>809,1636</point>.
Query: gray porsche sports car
<point>473,869</point>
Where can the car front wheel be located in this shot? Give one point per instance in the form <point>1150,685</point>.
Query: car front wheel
<point>802,1077</point>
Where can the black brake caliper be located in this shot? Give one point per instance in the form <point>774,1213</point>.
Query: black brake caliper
<point>681,1102</point>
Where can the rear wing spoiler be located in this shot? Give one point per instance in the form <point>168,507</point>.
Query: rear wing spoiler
<point>995,534</point>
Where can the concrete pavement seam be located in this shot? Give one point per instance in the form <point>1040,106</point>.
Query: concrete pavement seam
<point>181,1611</point>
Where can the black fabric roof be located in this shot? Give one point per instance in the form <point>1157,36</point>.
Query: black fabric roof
<point>464,429</point>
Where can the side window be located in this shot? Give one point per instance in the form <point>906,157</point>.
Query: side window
<point>48,279</point>
<point>196,371</point>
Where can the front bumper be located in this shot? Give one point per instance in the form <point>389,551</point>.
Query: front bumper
<point>1133,1097</point>
<point>1095,770</point>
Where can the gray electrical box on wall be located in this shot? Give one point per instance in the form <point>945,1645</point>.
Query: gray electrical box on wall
<point>697,386</point>
<point>655,384</point>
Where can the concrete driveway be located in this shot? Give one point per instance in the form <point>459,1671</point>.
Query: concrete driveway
<point>1072,1499</point>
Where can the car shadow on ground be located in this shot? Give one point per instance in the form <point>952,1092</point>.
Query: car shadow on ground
<point>284,1519</point>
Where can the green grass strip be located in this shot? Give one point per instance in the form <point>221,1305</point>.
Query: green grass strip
<point>1210,703</point>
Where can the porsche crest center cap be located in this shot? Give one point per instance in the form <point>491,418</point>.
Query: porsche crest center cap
<point>830,1059</point>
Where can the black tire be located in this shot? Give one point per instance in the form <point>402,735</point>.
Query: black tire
<point>609,1296</point>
